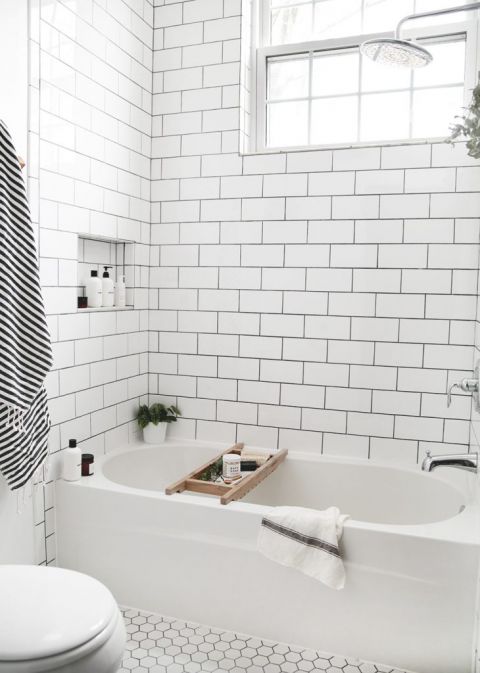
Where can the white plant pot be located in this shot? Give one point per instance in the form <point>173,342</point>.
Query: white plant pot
<point>155,434</point>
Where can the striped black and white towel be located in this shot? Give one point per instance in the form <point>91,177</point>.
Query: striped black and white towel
<point>25,350</point>
<point>307,540</point>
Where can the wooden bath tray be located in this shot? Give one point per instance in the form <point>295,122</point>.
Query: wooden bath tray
<point>227,492</point>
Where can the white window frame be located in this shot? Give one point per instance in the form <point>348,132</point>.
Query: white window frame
<point>469,29</point>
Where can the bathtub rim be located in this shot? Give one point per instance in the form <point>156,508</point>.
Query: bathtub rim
<point>463,527</point>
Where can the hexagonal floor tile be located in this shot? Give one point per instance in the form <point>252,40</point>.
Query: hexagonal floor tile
<point>158,644</point>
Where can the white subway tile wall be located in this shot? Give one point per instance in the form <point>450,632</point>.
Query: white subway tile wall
<point>319,300</point>
<point>91,127</point>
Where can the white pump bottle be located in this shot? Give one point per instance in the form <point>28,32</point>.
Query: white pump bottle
<point>94,290</point>
<point>120,292</point>
<point>107,288</point>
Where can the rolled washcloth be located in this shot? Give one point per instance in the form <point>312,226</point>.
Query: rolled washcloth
<point>307,540</point>
<point>257,454</point>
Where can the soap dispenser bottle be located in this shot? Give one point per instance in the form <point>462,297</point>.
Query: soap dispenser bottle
<point>107,288</point>
<point>72,462</point>
<point>120,292</point>
<point>94,290</point>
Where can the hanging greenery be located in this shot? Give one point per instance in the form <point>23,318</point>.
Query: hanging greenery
<point>468,126</point>
<point>157,413</point>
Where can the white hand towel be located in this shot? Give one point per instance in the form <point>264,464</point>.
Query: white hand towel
<point>307,540</point>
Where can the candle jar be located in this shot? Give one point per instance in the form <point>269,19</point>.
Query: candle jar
<point>231,467</point>
<point>87,464</point>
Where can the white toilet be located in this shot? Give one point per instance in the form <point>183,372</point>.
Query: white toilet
<point>57,620</point>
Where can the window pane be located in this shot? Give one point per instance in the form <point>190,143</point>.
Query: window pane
<point>291,24</point>
<point>447,67</point>
<point>383,15</point>
<point>335,73</point>
<point>334,120</point>
<point>337,19</point>
<point>428,5</point>
<point>301,20</point>
<point>286,3</point>
<point>381,77</point>
<point>288,78</point>
<point>385,116</point>
<point>434,110</point>
<point>287,124</point>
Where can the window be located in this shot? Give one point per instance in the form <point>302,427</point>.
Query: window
<point>315,88</point>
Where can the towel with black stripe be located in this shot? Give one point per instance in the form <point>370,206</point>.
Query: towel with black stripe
<point>307,540</point>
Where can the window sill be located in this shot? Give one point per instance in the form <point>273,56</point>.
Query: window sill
<point>343,146</point>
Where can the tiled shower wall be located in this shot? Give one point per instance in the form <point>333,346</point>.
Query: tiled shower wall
<point>320,300</point>
<point>92,60</point>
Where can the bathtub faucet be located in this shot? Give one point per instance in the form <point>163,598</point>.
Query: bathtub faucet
<point>462,461</point>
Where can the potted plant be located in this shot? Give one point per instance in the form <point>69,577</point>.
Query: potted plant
<point>468,126</point>
<point>154,420</point>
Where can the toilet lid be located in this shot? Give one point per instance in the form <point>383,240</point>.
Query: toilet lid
<point>47,611</point>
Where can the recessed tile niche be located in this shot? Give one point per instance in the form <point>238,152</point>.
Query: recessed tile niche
<point>97,253</point>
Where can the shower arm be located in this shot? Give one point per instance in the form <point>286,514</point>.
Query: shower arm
<point>435,12</point>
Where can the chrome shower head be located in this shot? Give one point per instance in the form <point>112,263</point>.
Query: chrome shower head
<point>396,52</point>
<point>407,53</point>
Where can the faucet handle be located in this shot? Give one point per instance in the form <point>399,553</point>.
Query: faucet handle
<point>449,393</point>
<point>467,385</point>
<point>427,461</point>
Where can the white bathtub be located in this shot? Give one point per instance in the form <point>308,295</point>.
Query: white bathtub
<point>411,551</point>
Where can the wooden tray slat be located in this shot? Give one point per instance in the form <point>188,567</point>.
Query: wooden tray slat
<point>200,486</point>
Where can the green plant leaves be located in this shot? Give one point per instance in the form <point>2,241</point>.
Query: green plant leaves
<point>157,413</point>
<point>143,416</point>
<point>468,126</point>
